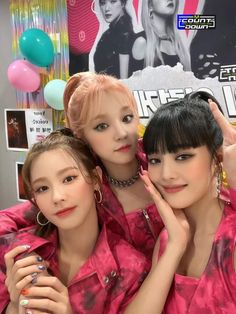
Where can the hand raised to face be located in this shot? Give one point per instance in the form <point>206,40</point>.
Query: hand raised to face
<point>174,220</point>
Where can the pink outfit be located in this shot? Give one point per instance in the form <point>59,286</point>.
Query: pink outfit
<point>215,291</point>
<point>105,284</point>
<point>140,228</point>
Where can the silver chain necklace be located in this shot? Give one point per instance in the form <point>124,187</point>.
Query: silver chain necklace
<point>124,183</point>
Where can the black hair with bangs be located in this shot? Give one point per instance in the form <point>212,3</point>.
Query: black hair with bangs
<point>183,123</point>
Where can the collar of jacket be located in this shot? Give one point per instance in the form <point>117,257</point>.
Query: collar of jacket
<point>103,257</point>
<point>101,262</point>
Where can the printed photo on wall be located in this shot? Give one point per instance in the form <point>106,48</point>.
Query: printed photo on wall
<point>161,50</point>
<point>16,130</point>
<point>107,43</point>
<point>124,36</point>
<point>21,196</point>
<point>25,127</point>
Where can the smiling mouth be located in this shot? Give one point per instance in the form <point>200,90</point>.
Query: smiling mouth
<point>65,212</point>
<point>170,4</point>
<point>173,189</point>
<point>123,148</point>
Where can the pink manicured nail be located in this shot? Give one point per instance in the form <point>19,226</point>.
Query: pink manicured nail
<point>26,247</point>
<point>141,169</point>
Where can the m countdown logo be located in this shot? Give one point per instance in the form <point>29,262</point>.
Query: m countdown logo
<point>196,22</point>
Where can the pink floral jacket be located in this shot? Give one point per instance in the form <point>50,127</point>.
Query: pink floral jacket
<point>105,284</point>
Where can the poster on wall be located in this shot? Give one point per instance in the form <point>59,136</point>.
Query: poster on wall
<point>21,196</point>
<point>160,49</point>
<point>24,127</point>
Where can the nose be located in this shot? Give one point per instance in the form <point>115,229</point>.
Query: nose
<point>57,194</point>
<point>167,171</point>
<point>120,131</point>
<point>107,6</point>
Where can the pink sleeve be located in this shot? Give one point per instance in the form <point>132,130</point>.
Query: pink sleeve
<point>121,305</point>
<point>16,217</point>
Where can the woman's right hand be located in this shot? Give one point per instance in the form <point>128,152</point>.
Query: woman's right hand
<point>21,273</point>
<point>174,219</point>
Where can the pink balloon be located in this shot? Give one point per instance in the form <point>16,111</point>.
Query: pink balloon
<point>24,76</point>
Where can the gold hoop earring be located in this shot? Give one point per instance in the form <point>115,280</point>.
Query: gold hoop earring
<point>98,196</point>
<point>39,222</point>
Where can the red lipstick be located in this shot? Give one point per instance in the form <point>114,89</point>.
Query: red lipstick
<point>65,212</point>
<point>174,188</point>
<point>124,149</point>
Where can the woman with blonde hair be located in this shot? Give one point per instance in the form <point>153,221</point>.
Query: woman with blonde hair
<point>164,46</point>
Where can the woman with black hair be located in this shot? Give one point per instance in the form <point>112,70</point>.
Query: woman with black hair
<point>185,150</point>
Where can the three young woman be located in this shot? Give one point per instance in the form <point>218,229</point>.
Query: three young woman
<point>101,111</point>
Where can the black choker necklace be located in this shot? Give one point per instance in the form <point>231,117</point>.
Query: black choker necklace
<point>164,37</point>
<point>124,183</point>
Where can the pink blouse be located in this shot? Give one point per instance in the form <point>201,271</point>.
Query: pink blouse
<point>215,291</point>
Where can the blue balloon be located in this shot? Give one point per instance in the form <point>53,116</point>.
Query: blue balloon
<point>53,93</point>
<point>37,47</point>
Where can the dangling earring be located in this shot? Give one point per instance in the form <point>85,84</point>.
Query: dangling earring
<point>218,184</point>
<point>39,222</point>
<point>151,14</point>
<point>218,179</point>
<point>98,196</point>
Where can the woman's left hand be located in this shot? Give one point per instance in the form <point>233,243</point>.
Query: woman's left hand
<point>47,295</point>
<point>175,221</point>
<point>229,145</point>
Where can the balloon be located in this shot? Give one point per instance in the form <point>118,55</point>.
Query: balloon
<point>53,94</point>
<point>23,76</point>
<point>36,46</point>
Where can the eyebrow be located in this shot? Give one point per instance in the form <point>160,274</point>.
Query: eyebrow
<point>103,116</point>
<point>60,172</point>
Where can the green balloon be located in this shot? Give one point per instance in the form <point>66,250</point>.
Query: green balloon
<point>37,47</point>
<point>53,93</point>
